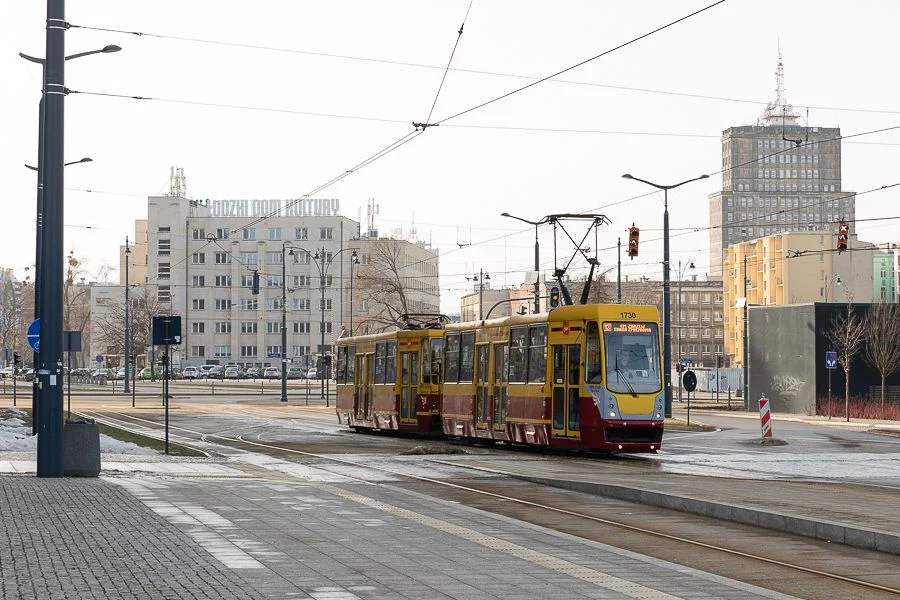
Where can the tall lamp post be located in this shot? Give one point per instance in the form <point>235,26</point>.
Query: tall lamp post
<point>354,260</point>
<point>537,260</point>
<point>835,280</point>
<point>680,320</point>
<point>319,256</point>
<point>480,277</point>
<point>667,328</point>
<point>49,240</point>
<point>128,365</point>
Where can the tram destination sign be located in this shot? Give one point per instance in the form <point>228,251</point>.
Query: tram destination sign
<point>628,327</point>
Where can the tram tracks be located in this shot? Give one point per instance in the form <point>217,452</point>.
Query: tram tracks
<point>798,566</point>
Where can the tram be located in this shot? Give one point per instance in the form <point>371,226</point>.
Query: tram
<point>586,377</point>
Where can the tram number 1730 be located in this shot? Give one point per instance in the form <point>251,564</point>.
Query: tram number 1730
<point>628,315</point>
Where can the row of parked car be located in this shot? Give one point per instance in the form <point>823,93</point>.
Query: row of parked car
<point>238,372</point>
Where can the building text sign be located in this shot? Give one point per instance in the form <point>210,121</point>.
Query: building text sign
<point>303,207</point>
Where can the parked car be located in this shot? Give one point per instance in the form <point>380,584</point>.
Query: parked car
<point>272,373</point>
<point>100,375</point>
<point>144,373</point>
<point>6,373</point>
<point>234,373</point>
<point>312,374</point>
<point>252,373</point>
<point>216,372</point>
<point>190,373</point>
<point>204,370</point>
<point>28,374</point>
<point>295,373</point>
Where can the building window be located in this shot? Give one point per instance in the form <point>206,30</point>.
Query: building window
<point>299,350</point>
<point>198,351</point>
<point>246,281</point>
<point>198,234</point>
<point>223,280</point>
<point>301,258</point>
<point>274,258</point>
<point>223,258</point>
<point>163,293</point>
<point>248,233</point>
<point>223,351</point>
<point>325,326</point>
<point>301,327</point>
<point>222,234</point>
<point>273,303</point>
<point>249,327</point>
<point>301,233</point>
<point>163,247</point>
<point>223,327</point>
<point>165,229</point>
<point>248,351</point>
<point>326,233</point>
<point>248,258</point>
<point>301,281</point>
<point>163,270</point>
<point>301,304</point>
<point>275,234</point>
<point>222,304</point>
<point>273,350</point>
<point>325,304</point>
<point>274,281</point>
<point>273,327</point>
<point>198,304</point>
<point>198,281</point>
<point>249,304</point>
<point>198,327</point>
<point>198,258</point>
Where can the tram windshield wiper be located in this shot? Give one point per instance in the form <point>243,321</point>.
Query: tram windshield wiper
<point>620,376</point>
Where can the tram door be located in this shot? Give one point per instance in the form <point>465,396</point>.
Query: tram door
<point>501,385</point>
<point>409,376</point>
<point>370,386</point>
<point>361,391</point>
<point>566,387</point>
<point>482,386</point>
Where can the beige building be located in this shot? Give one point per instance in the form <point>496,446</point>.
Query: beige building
<point>137,248</point>
<point>792,268</point>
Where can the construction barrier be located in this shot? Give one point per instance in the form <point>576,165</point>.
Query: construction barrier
<point>765,417</point>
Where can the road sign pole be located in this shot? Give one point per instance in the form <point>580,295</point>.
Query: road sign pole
<point>829,392</point>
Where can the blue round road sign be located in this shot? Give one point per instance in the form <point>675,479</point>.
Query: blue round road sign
<point>34,335</point>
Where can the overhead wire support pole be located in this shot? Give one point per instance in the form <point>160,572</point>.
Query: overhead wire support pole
<point>284,397</point>
<point>50,408</point>
<point>128,365</point>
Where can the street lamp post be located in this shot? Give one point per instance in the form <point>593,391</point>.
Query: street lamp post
<point>49,240</point>
<point>835,280</point>
<point>284,397</point>
<point>354,260</point>
<point>667,328</point>
<point>680,324</point>
<point>480,278</point>
<point>326,262</point>
<point>128,366</point>
<point>537,261</point>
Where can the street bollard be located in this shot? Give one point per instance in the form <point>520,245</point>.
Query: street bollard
<point>765,417</point>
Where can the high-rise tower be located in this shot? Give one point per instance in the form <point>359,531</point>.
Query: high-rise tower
<point>778,175</point>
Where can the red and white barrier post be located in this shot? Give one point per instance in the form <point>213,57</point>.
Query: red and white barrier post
<point>765,417</point>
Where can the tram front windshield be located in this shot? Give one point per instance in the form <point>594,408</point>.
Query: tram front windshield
<point>632,357</point>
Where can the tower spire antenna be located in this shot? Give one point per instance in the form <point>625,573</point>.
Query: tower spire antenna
<point>780,111</point>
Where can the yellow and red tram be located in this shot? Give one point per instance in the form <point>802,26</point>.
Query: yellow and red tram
<point>581,377</point>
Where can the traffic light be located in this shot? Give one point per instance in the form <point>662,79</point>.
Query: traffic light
<point>255,283</point>
<point>633,235</point>
<point>554,297</point>
<point>720,361</point>
<point>843,235</point>
<point>17,360</point>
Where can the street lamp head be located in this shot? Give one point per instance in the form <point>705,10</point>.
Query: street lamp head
<point>704,176</point>
<point>86,159</point>
<point>505,214</point>
<point>627,176</point>
<point>691,265</point>
<point>110,48</point>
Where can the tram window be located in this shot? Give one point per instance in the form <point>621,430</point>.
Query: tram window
<point>341,364</point>
<point>351,365</point>
<point>537,354</point>
<point>451,359</point>
<point>437,352</point>
<point>426,365</point>
<point>518,359</point>
<point>467,357</point>
<point>390,363</point>
<point>380,348</point>
<point>593,372</point>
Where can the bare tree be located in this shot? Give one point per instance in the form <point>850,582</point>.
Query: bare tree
<point>110,325</point>
<point>10,315</point>
<point>846,332</point>
<point>882,349</point>
<point>77,303</point>
<point>385,287</point>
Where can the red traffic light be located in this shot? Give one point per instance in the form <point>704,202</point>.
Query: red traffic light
<point>634,234</point>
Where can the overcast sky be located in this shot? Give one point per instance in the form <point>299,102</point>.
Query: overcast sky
<point>338,81</point>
